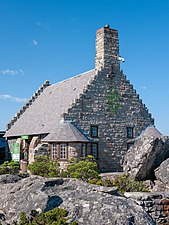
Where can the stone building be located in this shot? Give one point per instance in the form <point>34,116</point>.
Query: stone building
<point>97,112</point>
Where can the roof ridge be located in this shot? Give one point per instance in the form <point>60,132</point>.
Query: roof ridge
<point>27,104</point>
<point>62,81</point>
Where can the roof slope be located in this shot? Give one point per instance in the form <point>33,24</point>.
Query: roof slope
<point>65,132</point>
<point>46,111</point>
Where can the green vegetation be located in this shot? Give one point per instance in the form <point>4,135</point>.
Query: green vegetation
<point>86,169</point>
<point>9,168</point>
<point>113,101</point>
<point>123,183</point>
<point>45,167</point>
<point>57,216</point>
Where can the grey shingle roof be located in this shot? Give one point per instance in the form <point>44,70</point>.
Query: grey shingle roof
<point>46,111</point>
<point>65,132</point>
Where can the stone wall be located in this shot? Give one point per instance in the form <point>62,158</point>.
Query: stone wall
<point>111,103</point>
<point>155,204</point>
<point>93,108</point>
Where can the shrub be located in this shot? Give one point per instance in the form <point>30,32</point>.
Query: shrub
<point>9,167</point>
<point>123,183</point>
<point>57,216</point>
<point>44,167</point>
<point>86,169</point>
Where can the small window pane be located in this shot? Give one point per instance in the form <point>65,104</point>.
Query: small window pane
<point>54,151</point>
<point>130,132</point>
<point>94,131</point>
<point>94,150</point>
<point>63,154</point>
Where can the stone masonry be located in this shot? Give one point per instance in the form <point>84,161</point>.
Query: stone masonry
<point>155,204</point>
<point>111,103</point>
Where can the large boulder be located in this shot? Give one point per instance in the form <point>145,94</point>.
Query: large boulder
<point>9,178</point>
<point>87,204</point>
<point>162,173</point>
<point>148,152</point>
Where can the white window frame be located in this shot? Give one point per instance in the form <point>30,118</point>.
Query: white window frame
<point>54,151</point>
<point>63,151</point>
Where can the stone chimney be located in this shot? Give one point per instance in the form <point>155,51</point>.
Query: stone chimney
<point>107,49</point>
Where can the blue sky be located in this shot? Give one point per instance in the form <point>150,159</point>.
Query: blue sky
<point>55,39</point>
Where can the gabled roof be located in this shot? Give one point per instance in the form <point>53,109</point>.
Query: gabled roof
<point>44,114</point>
<point>65,132</point>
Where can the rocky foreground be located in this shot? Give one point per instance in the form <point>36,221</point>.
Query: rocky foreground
<point>87,204</point>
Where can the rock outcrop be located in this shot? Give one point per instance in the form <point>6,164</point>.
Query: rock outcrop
<point>87,204</point>
<point>162,172</point>
<point>148,152</point>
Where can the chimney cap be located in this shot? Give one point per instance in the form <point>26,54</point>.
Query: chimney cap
<point>107,26</point>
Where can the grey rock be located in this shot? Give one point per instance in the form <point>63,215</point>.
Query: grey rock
<point>159,187</point>
<point>149,184</point>
<point>87,204</point>
<point>9,178</point>
<point>162,172</point>
<point>147,153</point>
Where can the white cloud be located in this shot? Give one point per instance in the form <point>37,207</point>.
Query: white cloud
<point>12,98</point>
<point>144,87</point>
<point>42,25</point>
<point>11,72</point>
<point>34,42</point>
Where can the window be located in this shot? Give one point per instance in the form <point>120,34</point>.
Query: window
<point>63,151</point>
<point>94,150</point>
<point>130,132</point>
<point>129,145</point>
<point>54,151</point>
<point>94,131</point>
<point>84,150</point>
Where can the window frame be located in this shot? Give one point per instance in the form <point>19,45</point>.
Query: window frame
<point>94,143</point>
<point>59,151</point>
<point>66,151</point>
<point>55,147</point>
<point>91,131</point>
<point>128,132</point>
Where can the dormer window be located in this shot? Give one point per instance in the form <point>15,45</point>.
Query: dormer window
<point>94,131</point>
